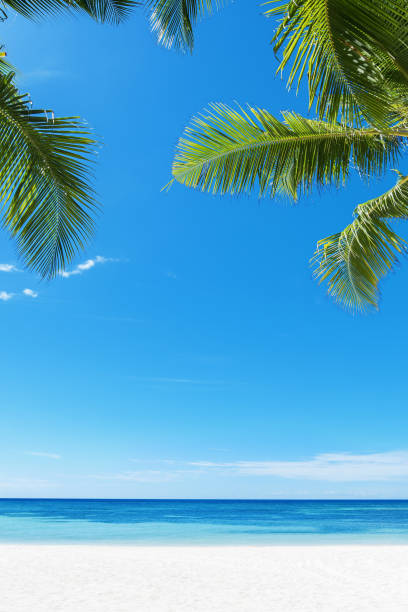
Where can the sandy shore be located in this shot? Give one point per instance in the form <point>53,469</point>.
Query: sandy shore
<point>171,579</point>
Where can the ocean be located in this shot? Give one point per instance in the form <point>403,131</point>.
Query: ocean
<point>202,522</point>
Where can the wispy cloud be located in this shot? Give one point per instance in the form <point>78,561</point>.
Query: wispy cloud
<point>42,454</point>
<point>86,265</point>
<point>24,483</point>
<point>141,476</point>
<point>5,267</point>
<point>30,293</point>
<point>335,467</point>
<point>158,470</point>
<point>389,466</point>
<point>5,296</point>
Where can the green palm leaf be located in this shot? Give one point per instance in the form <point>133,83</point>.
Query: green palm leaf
<point>45,196</point>
<point>234,151</point>
<point>114,11</point>
<point>353,261</point>
<point>354,54</point>
<point>173,20</point>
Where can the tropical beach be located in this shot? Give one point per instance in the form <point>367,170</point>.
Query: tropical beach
<point>203,287</point>
<point>203,555</point>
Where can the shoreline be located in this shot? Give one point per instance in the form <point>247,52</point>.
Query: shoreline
<point>202,545</point>
<point>129,578</point>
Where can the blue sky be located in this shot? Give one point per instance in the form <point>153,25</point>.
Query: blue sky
<point>192,355</point>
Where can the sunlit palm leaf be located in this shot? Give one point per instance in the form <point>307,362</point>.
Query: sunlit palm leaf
<point>45,197</point>
<point>173,20</point>
<point>235,151</point>
<point>114,11</point>
<point>353,261</point>
<point>354,54</point>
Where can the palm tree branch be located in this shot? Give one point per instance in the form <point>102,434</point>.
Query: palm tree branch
<point>45,197</point>
<point>354,260</point>
<point>228,150</point>
<point>350,51</point>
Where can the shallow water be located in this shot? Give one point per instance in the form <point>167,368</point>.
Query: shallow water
<point>203,521</point>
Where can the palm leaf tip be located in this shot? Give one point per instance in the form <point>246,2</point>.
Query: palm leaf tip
<point>173,21</point>
<point>107,11</point>
<point>113,11</point>
<point>354,261</point>
<point>46,199</point>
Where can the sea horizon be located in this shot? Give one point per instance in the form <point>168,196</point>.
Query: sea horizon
<point>217,499</point>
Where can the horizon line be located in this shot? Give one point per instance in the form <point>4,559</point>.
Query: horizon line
<point>190,499</point>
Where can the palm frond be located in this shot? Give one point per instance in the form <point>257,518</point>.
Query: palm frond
<point>45,197</point>
<point>354,54</point>
<point>227,150</point>
<point>113,11</point>
<point>353,261</point>
<point>107,11</point>
<point>173,20</point>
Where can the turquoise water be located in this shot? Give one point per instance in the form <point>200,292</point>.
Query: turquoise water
<point>202,521</point>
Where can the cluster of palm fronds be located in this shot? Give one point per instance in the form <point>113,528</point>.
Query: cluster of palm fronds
<point>46,199</point>
<point>353,56</point>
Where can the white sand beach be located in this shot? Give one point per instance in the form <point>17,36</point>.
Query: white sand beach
<point>76,578</point>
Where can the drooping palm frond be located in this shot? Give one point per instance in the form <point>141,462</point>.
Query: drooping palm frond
<point>354,54</point>
<point>173,20</point>
<point>353,261</point>
<point>45,197</point>
<point>113,11</point>
<point>234,151</point>
<point>107,11</point>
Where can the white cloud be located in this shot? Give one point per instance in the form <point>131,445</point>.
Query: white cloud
<point>389,466</point>
<point>30,293</point>
<point>86,265</point>
<point>41,454</point>
<point>4,296</point>
<point>339,467</point>
<point>8,268</point>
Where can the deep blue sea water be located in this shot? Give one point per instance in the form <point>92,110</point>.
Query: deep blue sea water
<point>202,521</point>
